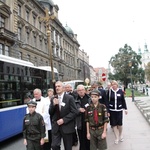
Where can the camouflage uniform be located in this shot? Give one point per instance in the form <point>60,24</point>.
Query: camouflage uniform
<point>96,129</point>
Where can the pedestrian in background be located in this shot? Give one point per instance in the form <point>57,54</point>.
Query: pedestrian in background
<point>33,128</point>
<point>63,112</point>
<point>117,104</point>
<point>82,101</point>
<point>96,118</point>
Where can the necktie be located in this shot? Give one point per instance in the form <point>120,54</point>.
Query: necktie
<point>96,116</point>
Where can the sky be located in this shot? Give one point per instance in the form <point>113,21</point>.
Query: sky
<point>104,26</point>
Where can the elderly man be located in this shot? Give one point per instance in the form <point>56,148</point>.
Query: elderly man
<point>82,101</point>
<point>63,112</point>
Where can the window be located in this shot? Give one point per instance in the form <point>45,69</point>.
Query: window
<point>6,50</point>
<point>27,37</point>
<point>57,52</point>
<point>1,49</point>
<point>34,20</point>
<point>19,33</point>
<point>41,44</point>
<point>27,15</point>
<point>36,64</point>
<point>28,57</point>
<point>35,43</point>
<point>2,21</point>
<point>19,55</point>
<point>19,10</point>
<point>40,25</point>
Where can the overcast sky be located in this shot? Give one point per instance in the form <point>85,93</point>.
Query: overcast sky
<point>104,26</point>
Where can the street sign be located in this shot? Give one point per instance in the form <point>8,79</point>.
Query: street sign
<point>103,76</point>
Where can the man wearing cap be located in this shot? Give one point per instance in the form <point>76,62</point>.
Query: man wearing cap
<point>96,118</point>
<point>33,128</point>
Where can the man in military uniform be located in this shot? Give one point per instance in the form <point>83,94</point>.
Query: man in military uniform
<point>33,128</point>
<point>96,118</point>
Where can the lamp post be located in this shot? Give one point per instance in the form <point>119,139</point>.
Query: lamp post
<point>132,90</point>
<point>47,19</point>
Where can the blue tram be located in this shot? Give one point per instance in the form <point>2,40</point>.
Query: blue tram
<point>18,79</point>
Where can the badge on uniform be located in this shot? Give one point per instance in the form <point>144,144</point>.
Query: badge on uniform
<point>90,112</point>
<point>86,105</point>
<point>26,121</point>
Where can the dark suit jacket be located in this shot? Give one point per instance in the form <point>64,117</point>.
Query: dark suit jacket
<point>68,113</point>
<point>103,98</point>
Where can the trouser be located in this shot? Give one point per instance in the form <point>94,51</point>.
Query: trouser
<point>96,141</point>
<point>84,142</point>
<point>47,145</point>
<point>74,138</point>
<point>56,140</point>
<point>34,145</point>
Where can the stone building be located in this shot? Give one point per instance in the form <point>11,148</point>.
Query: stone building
<point>23,35</point>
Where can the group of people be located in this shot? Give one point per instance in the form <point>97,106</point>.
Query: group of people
<point>79,117</point>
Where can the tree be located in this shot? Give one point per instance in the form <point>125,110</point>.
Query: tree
<point>147,71</point>
<point>122,63</point>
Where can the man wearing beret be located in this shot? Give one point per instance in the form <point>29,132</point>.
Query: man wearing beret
<point>96,118</point>
<point>33,128</point>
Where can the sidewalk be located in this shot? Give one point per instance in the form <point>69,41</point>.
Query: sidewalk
<point>136,130</point>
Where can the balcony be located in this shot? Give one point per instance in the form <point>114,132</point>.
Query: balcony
<point>7,35</point>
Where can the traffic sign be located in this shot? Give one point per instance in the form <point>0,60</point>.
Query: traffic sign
<point>103,76</point>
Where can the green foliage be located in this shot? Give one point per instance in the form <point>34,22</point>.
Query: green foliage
<point>123,62</point>
<point>136,93</point>
<point>147,71</point>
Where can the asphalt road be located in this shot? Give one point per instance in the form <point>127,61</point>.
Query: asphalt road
<point>16,143</point>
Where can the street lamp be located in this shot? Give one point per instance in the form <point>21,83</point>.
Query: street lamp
<point>47,19</point>
<point>132,90</point>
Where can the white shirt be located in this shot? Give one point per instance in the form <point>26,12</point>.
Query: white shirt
<point>43,109</point>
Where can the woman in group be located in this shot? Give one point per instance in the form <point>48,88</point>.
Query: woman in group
<point>117,104</point>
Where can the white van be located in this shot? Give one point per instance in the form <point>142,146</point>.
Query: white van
<point>74,83</point>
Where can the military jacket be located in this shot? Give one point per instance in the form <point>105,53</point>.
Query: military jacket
<point>102,115</point>
<point>33,127</point>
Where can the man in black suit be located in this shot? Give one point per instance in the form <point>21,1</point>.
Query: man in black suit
<point>103,98</point>
<point>63,111</point>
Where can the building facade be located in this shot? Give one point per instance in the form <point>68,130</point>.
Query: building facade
<point>23,35</point>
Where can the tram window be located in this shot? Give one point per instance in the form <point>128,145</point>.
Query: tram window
<point>18,70</point>
<point>11,78</point>
<point>1,66</point>
<point>1,77</point>
<point>8,69</point>
<point>2,86</point>
<point>17,86</point>
<point>6,77</point>
<point>22,71</point>
<point>13,70</point>
<point>26,71</point>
